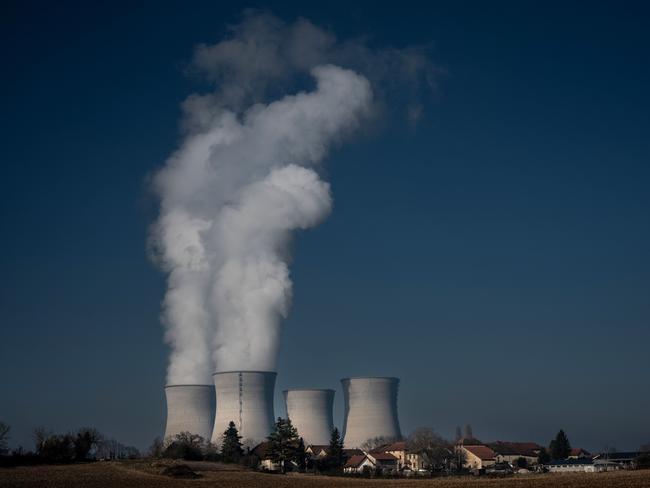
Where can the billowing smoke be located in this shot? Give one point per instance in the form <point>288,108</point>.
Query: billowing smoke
<point>245,177</point>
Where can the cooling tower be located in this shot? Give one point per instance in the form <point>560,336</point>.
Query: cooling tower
<point>370,409</point>
<point>190,408</point>
<point>310,411</point>
<point>246,398</point>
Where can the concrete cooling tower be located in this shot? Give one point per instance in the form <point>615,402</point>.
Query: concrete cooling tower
<point>190,408</point>
<point>246,398</point>
<point>370,409</point>
<point>310,412</point>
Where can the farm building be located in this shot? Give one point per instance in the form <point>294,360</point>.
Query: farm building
<point>510,452</point>
<point>477,457</point>
<point>577,465</point>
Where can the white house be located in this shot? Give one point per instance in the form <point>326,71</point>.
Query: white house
<point>358,464</point>
<point>576,465</point>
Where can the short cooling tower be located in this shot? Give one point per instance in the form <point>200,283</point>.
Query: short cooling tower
<point>190,408</point>
<point>246,398</point>
<point>370,409</point>
<point>310,412</point>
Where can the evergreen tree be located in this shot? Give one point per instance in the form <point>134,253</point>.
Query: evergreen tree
<point>543,456</point>
<point>301,455</point>
<point>560,447</point>
<point>283,443</point>
<point>231,448</point>
<point>336,456</point>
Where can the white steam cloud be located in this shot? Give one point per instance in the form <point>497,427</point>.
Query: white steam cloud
<point>243,180</point>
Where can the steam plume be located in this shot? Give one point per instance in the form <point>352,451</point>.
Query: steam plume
<point>244,178</point>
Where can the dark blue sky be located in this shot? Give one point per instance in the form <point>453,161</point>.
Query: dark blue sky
<point>495,258</point>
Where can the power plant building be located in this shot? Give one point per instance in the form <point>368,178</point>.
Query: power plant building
<point>190,408</point>
<point>311,413</point>
<point>370,409</point>
<point>245,398</point>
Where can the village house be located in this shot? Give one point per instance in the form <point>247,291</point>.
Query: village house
<point>624,460</point>
<point>383,461</point>
<point>316,451</point>
<point>476,457</point>
<point>576,465</point>
<point>511,452</point>
<point>261,452</point>
<point>406,461</point>
<point>359,464</point>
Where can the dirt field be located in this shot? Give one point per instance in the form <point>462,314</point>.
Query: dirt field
<point>140,474</point>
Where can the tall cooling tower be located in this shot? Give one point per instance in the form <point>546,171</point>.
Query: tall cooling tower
<point>310,411</point>
<point>190,408</point>
<point>246,398</point>
<point>370,409</point>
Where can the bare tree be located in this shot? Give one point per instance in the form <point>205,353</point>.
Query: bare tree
<point>459,433</point>
<point>156,449</point>
<point>86,443</point>
<point>4,436</point>
<point>184,445</point>
<point>41,434</point>
<point>468,432</point>
<point>435,450</point>
<point>375,442</point>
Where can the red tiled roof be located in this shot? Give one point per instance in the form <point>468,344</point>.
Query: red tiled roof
<point>515,448</point>
<point>355,461</point>
<point>317,449</point>
<point>261,449</point>
<point>383,456</point>
<point>395,446</point>
<point>576,451</point>
<point>482,452</point>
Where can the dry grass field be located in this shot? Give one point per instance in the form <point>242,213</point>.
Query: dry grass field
<point>141,474</point>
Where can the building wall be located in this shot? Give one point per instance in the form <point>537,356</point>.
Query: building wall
<point>359,469</point>
<point>415,461</point>
<point>310,412</point>
<point>512,458</point>
<point>190,408</point>
<point>370,409</point>
<point>405,458</point>
<point>474,462</point>
<point>572,468</point>
<point>471,461</point>
<point>245,398</point>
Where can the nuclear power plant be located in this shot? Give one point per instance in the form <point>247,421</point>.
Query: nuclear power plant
<point>370,409</point>
<point>190,408</point>
<point>311,411</point>
<point>246,398</point>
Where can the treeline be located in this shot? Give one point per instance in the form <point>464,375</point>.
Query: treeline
<point>283,446</point>
<point>84,445</point>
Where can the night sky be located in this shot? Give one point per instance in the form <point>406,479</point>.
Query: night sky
<point>494,256</point>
